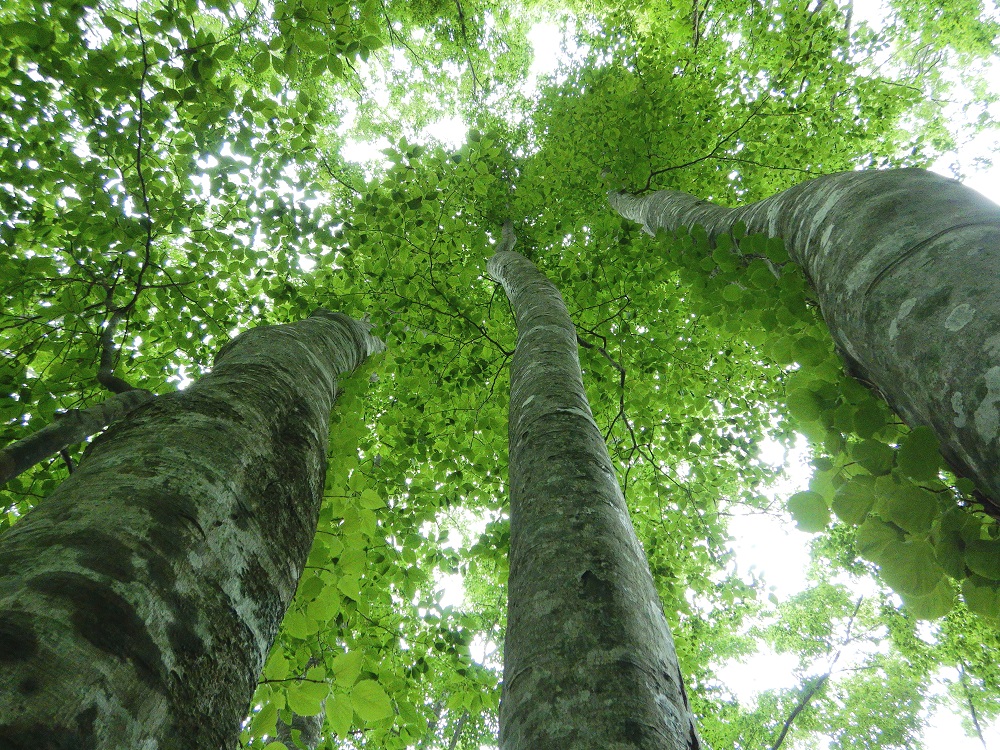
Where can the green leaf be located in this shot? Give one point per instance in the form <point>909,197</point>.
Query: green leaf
<point>982,596</point>
<point>37,35</point>
<point>306,698</point>
<point>873,455</point>
<point>262,62</point>
<point>854,499</point>
<point>869,418</point>
<point>277,665</point>
<point>298,625</point>
<point>340,714</point>
<point>919,454</point>
<point>910,507</point>
<point>910,567</point>
<point>775,250</point>
<point>347,668</point>
<point>937,603</point>
<point>275,746</point>
<point>809,510</point>
<point>350,586</point>
<point>983,558</point>
<point>950,551</point>
<point>873,536</point>
<point>370,500</point>
<point>370,701</point>
<point>264,721</point>
<point>326,605</point>
<point>803,404</point>
<point>732,293</point>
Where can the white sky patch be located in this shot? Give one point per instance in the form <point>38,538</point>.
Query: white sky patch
<point>768,544</point>
<point>450,131</point>
<point>758,673</point>
<point>772,548</point>
<point>365,152</point>
<point>545,43</point>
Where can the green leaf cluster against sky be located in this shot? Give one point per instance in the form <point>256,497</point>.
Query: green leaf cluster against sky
<point>188,165</point>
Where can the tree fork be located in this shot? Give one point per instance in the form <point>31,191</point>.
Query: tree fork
<point>589,662</point>
<point>139,601</point>
<point>905,266</point>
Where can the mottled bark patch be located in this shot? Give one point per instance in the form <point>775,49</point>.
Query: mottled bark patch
<point>51,736</point>
<point>18,641</point>
<point>107,621</point>
<point>596,589</point>
<point>174,516</point>
<point>186,642</point>
<point>102,553</point>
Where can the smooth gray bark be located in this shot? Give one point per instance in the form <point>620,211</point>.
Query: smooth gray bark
<point>589,662</point>
<point>307,729</point>
<point>906,267</point>
<point>69,429</point>
<point>139,601</point>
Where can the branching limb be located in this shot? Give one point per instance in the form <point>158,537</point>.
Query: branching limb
<point>67,459</point>
<point>106,370</point>
<point>73,427</point>
<point>458,731</point>
<point>465,36</point>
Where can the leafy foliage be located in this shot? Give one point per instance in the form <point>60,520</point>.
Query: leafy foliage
<point>175,172</point>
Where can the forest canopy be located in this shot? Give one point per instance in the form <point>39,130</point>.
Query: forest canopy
<point>175,172</point>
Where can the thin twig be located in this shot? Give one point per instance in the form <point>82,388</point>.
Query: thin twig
<point>458,730</point>
<point>817,682</point>
<point>972,708</point>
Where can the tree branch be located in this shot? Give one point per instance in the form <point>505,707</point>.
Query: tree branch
<point>458,730</point>
<point>71,428</point>
<point>106,370</point>
<point>818,682</point>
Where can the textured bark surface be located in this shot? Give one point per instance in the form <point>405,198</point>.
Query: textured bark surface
<point>307,730</point>
<point>589,662</point>
<point>71,428</point>
<point>906,266</point>
<point>138,601</point>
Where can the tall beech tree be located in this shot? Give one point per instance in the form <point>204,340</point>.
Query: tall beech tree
<point>900,263</point>
<point>589,661</point>
<point>142,598</point>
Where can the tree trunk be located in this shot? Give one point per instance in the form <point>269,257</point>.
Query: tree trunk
<point>139,601</point>
<point>905,266</point>
<point>589,662</point>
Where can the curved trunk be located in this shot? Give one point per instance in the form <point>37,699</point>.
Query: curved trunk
<point>905,266</point>
<point>139,601</point>
<point>589,662</point>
